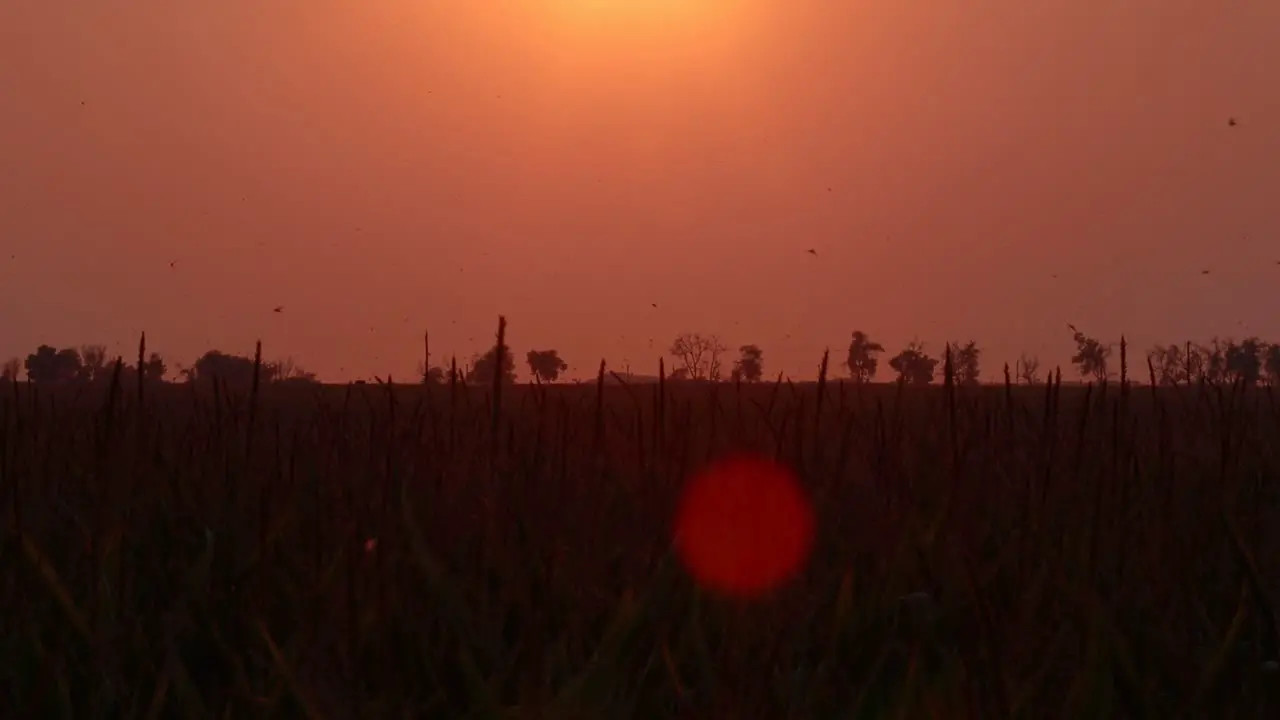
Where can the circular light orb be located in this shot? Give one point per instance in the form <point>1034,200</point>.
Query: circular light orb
<point>744,526</point>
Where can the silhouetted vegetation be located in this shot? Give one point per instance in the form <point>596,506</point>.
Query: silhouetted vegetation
<point>749,366</point>
<point>236,546</point>
<point>545,365</point>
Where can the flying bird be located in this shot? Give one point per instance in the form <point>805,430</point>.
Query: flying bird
<point>278,308</point>
<point>1231,122</point>
<point>812,252</point>
<point>1204,272</point>
<point>654,304</point>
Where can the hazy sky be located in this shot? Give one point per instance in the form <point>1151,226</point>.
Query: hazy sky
<point>382,167</point>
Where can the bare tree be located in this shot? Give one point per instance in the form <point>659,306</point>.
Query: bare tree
<point>1213,360</point>
<point>714,370</point>
<point>698,354</point>
<point>288,370</point>
<point>93,363</point>
<point>1168,363</point>
<point>1028,369</point>
<point>965,361</point>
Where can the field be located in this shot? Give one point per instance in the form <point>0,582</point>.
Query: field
<point>423,552</point>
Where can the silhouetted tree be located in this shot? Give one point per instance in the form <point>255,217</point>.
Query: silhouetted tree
<point>750,364</point>
<point>1243,360</point>
<point>713,364</point>
<point>287,370</point>
<point>913,366</point>
<point>1170,364</point>
<point>1028,369</point>
<point>965,361</point>
<point>93,363</point>
<point>434,375</point>
<point>862,361</point>
<point>1271,364</point>
<point>481,370</point>
<point>1213,360</point>
<point>50,366</point>
<point>1091,356</point>
<point>698,354</point>
<point>545,365</point>
<point>10,369</point>
<point>232,370</point>
<point>153,371</point>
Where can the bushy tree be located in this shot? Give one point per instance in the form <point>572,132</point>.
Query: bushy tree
<point>913,365</point>
<point>1271,364</point>
<point>750,364</point>
<point>10,370</point>
<point>545,365</point>
<point>863,357</point>
<point>434,375</point>
<point>1243,360</point>
<point>233,371</point>
<point>50,366</point>
<point>481,370</point>
<point>1091,356</point>
<point>153,370</point>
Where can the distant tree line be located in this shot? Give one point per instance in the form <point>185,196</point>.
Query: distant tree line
<point>1250,361</point>
<point>88,364</point>
<point>697,356</point>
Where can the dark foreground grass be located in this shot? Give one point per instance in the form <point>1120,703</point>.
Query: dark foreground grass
<point>415,552</point>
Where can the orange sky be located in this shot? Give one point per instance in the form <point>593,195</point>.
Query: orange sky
<point>388,166</point>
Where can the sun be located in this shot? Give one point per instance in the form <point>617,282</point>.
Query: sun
<point>638,14</point>
<point>629,7</point>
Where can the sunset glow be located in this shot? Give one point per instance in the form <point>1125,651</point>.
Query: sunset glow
<point>609,173</point>
<point>650,13</point>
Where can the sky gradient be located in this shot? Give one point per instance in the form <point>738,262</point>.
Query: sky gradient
<point>387,167</point>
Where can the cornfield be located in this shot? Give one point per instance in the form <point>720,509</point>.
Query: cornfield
<point>390,551</point>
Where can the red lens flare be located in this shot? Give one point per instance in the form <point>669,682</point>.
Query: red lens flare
<point>744,525</point>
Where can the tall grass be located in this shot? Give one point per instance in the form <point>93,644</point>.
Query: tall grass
<point>411,551</point>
